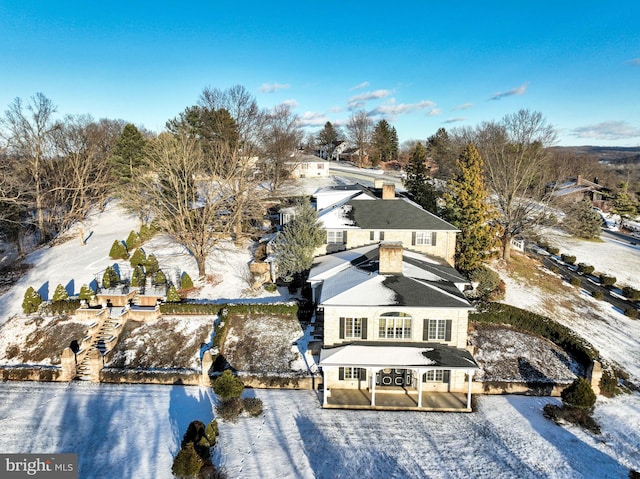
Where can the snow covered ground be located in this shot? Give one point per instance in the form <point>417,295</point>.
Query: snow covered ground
<point>134,430</point>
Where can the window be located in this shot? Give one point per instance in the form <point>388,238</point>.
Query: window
<point>437,330</point>
<point>437,376</point>
<point>349,374</point>
<point>335,237</point>
<point>423,238</point>
<point>394,326</point>
<point>353,328</point>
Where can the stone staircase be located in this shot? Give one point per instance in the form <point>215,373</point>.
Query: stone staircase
<point>101,339</point>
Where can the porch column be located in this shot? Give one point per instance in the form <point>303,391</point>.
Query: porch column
<point>374,371</point>
<point>470,376</point>
<point>324,386</point>
<point>420,373</point>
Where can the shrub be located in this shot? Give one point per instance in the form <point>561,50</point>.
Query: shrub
<point>569,259</point>
<point>151,266</point>
<point>118,250</point>
<point>488,281</point>
<point>86,293</point>
<point>607,280</point>
<point>67,306</point>
<point>138,258</point>
<point>195,430</point>
<point>138,276</point>
<point>110,277</point>
<point>252,406</point>
<point>211,432</point>
<point>31,301</point>
<point>579,417</point>
<point>554,269</point>
<point>270,287</point>
<point>631,313</point>
<point>147,231</point>
<point>172,295</point>
<point>229,409</point>
<point>585,268</point>
<point>631,293</point>
<point>579,394</point>
<point>598,295</point>
<point>574,281</point>
<point>187,462</point>
<point>185,281</point>
<point>133,240</point>
<point>609,384</point>
<point>227,385</point>
<point>60,294</point>
<point>553,250</point>
<point>159,277</point>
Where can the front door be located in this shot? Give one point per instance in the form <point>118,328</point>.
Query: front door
<point>394,377</point>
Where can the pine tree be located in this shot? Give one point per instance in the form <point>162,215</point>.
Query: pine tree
<point>31,301</point>
<point>110,278</point>
<point>159,277</point>
<point>328,138</point>
<point>118,251</point>
<point>151,266</point>
<point>185,281</point>
<point>623,205</point>
<point>440,150</point>
<point>138,258</point>
<point>128,153</point>
<point>418,181</point>
<point>60,294</point>
<point>227,385</point>
<point>294,247</point>
<point>384,143</point>
<point>133,241</point>
<point>187,463</point>
<point>579,394</point>
<point>172,295</point>
<point>582,220</point>
<point>86,293</point>
<point>138,276</point>
<point>467,209</point>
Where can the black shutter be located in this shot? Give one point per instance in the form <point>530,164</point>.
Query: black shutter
<point>381,235</point>
<point>341,374</point>
<point>344,237</point>
<point>372,235</point>
<point>413,238</point>
<point>364,328</point>
<point>362,374</point>
<point>445,376</point>
<point>341,328</point>
<point>434,236</point>
<point>447,330</point>
<point>425,329</point>
<point>326,237</point>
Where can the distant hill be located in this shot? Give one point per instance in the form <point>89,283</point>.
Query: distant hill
<point>609,154</point>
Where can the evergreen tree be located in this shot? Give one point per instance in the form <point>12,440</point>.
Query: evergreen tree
<point>579,394</point>
<point>159,277</point>
<point>138,258</point>
<point>138,276</point>
<point>133,241</point>
<point>185,281</point>
<point>582,220</point>
<point>151,266</point>
<point>172,295</point>
<point>128,153</point>
<point>110,278</point>
<point>86,293</point>
<point>294,247</point>
<point>31,301</point>
<point>440,150</point>
<point>467,209</point>
<point>60,294</point>
<point>384,143</point>
<point>418,182</point>
<point>118,250</point>
<point>187,463</point>
<point>227,385</point>
<point>328,138</point>
<point>623,205</point>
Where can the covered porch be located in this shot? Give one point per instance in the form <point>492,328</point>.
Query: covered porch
<point>397,400</point>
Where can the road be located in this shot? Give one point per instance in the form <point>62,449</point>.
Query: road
<point>364,175</point>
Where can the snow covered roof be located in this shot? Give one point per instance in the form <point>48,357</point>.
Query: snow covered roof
<point>375,354</point>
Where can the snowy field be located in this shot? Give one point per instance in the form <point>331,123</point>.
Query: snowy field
<point>134,431</point>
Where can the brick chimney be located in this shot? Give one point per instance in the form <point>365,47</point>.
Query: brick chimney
<point>390,253</point>
<point>388,191</point>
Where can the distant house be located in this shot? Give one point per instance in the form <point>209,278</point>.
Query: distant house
<point>576,189</point>
<point>309,166</point>
<point>356,215</point>
<point>395,330</point>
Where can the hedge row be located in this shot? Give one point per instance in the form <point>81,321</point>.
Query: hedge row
<point>213,308</point>
<point>67,306</point>
<point>497,313</point>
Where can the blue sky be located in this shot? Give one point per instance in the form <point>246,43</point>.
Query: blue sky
<point>421,65</point>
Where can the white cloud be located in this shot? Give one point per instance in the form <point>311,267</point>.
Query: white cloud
<point>336,109</point>
<point>359,101</point>
<point>362,85</point>
<point>273,87</point>
<point>514,91</point>
<point>292,103</point>
<point>392,109</point>
<point>434,112</point>
<point>635,61</point>
<point>312,118</point>
<point>464,106</point>
<point>455,120</point>
<point>607,130</point>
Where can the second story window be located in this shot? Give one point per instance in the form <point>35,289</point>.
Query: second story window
<point>394,326</point>
<point>353,328</point>
<point>437,330</point>
<point>335,237</point>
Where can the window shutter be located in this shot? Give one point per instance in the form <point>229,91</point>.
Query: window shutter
<point>381,235</point>
<point>445,376</point>
<point>362,375</point>
<point>344,237</point>
<point>341,374</point>
<point>447,330</point>
<point>434,236</point>
<point>413,238</point>
<point>364,327</point>
<point>372,235</point>
<point>341,328</point>
<point>326,237</point>
<point>425,329</point>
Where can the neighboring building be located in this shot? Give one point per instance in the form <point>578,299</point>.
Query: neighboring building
<point>309,166</point>
<point>355,216</point>
<point>576,189</point>
<point>395,330</point>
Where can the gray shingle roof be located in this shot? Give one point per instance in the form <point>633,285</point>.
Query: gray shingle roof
<point>398,213</point>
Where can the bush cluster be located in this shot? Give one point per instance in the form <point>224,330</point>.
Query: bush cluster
<point>67,306</point>
<point>574,281</point>
<point>609,383</point>
<point>270,287</point>
<point>599,295</point>
<point>195,451</point>
<point>607,280</point>
<point>252,406</point>
<point>523,320</point>
<point>110,277</point>
<point>585,268</point>
<point>213,308</point>
<point>488,283</point>
<point>569,259</point>
<point>631,293</point>
<point>579,394</point>
<point>86,293</point>
<point>631,313</point>
<point>229,409</point>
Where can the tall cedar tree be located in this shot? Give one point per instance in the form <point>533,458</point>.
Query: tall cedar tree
<point>467,209</point>
<point>128,153</point>
<point>623,204</point>
<point>582,220</point>
<point>384,144</point>
<point>418,182</point>
<point>328,138</point>
<point>441,151</point>
<point>294,247</point>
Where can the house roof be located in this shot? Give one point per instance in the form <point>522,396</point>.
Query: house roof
<point>394,354</point>
<point>351,278</point>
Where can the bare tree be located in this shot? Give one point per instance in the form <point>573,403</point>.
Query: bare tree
<point>359,131</point>
<point>516,160</point>
<point>29,129</point>
<point>186,202</point>
<point>281,137</point>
